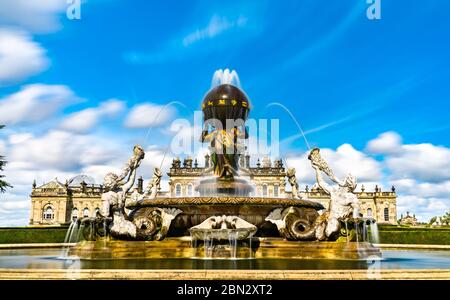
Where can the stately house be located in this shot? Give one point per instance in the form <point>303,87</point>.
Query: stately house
<point>57,203</point>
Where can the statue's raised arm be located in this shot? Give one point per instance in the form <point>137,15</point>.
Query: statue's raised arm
<point>133,164</point>
<point>320,181</point>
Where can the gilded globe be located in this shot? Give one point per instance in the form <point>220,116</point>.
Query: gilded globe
<point>224,102</point>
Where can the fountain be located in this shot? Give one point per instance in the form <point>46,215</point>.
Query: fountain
<point>225,221</point>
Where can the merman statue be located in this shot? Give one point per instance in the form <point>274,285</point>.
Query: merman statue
<point>344,204</point>
<point>114,195</point>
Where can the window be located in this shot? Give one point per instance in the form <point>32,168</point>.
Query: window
<point>48,213</point>
<point>86,212</point>
<point>275,191</point>
<point>369,213</point>
<point>178,190</point>
<point>190,189</point>
<point>96,211</point>
<point>74,214</point>
<point>264,190</point>
<point>386,214</point>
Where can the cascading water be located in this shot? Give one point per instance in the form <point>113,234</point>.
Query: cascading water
<point>70,232</point>
<point>225,77</point>
<point>80,231</point>
<point>223,237</point>
<point>71,237</point>
<point>364,232</point>
<point>300,129</point>
<point>209,245</point>
<point>346,231</point>
<point>374,235</point>
<point>232,238</point>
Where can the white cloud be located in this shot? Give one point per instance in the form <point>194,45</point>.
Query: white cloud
<point>2,147</point>
<point>217,25</point>
<point>388,142</point>
<point>60,150</point>
<point>9,205</point>
<point>19,138</point>
<point>83,121</point>
<point>420,161</point>
<point>345,159</point>
<point>20,56</point>
<point>423,189</point>
<point>34,103</point>
<point>35,16</point>
<point>423,208</point>
<point>149,115</point>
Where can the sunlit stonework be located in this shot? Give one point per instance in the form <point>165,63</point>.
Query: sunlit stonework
<point>59,202</point>
<point>224,204</point>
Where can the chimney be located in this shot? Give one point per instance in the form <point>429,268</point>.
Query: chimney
<point>247,161</point>
<point>140,185</point>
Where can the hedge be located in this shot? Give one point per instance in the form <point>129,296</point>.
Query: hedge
<point>428,237</point>
<point>388,235</point>
<point>411,228</point>
<point>25,235</point>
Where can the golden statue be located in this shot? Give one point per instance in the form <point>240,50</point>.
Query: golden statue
<point>225,149</point>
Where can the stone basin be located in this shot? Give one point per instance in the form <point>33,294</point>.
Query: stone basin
<point>254,210</point>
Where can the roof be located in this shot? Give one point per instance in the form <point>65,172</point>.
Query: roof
<point>76,181</point>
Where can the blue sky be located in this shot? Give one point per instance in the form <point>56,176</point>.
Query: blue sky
<point>347,80</point>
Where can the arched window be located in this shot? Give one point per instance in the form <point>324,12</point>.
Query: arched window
<point>49,213</point>
<point>96,211</point>
<point>178,190</point>
<point>190,190</point>
<point>386,214</point>
<point>264,190</point>
<point>75,214</point>
<point>276,191</point>
<point>86,212</point>
<point>369,213</point>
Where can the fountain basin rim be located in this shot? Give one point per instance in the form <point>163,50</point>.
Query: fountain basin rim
<point>222,200</point>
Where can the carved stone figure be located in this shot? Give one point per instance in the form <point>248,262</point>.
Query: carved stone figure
<point>153,223</point>
<point>292,179</point>
<point>266,162</point>
<point>226,149</point>
<point>293,223</point>
<point>151,191</point>
<point>114,196</point>
<point>344,204</point>
<point>222,228</point>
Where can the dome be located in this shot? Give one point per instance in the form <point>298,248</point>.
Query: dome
<point>224,102</point>
<point>76,181</point>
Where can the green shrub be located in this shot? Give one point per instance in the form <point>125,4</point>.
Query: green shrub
<point>411,228</point>
<point>23,235</point>
<point>429,237</point>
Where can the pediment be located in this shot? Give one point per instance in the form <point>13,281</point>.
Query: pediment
<point>52,185</point>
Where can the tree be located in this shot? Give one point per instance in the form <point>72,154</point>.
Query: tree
<point>433,219</point>
<point>3,184</point>
<point>446,218</point>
